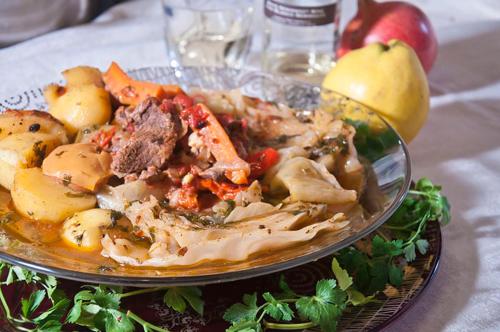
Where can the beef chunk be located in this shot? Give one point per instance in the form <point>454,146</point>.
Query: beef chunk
<point>155,133</point>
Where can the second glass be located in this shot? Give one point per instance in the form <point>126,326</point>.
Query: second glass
<point>300,37</point>
<point>208,32</point>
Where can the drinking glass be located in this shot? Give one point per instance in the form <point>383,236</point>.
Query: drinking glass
<point>300,37</point>
<point>208,32</point>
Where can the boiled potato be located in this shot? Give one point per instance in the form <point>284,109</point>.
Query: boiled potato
<point>22,121</point>
<point>7,172</point>
<point>80,106</point>
<point>91,134</point>
<point>82,165</point>
<point>40,197</point>
<point>84,229</point>
<point>23,151</point>
<point>83,75</point>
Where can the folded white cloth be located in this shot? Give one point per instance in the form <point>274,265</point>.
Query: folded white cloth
<point>458,148</point>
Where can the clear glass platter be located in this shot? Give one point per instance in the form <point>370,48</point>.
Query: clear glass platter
<point>388,182</point>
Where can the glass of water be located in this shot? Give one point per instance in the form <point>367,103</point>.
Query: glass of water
<point>208,32</point>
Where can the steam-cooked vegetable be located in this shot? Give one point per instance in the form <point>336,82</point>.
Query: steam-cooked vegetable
<point>84,166</point>
<point>40,197</point>
<point>84,229</point>
<point>131,92</point>
<point>23,150</point>
<point>308,181</point>
<point>79,106</point>
<point>83,75</point>
<point>82,102</point>
<point>22,121</point>
<point>204,122</point>
<point>119,197</point>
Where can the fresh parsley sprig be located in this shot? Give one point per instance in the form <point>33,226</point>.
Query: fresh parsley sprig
<point>321,309</point>
<point>424,203</point>
<point>97,308</point>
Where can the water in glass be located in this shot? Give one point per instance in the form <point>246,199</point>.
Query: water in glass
<point>208,32</point>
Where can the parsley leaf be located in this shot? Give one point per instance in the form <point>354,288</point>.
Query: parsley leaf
<point>99,307</point>
<point>425,203</point>
<point>357,298</point>
<point>342,276</point>
<point>422,246</point>
<point>55,313</point>
<point>277,309</point>
<point>245,326</point>
<point>409,251</point>
<point>325,307</point>
<point>246,311</point>
<point>370,143</point>
<point>381,248</point>
<point>176,298</point>
<point>50,326</point>
<point>395,275</point>
<point>29,306</point>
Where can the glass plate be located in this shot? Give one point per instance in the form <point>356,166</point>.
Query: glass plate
<point>388,183</point>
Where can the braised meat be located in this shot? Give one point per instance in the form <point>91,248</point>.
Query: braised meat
<point>155,129</point>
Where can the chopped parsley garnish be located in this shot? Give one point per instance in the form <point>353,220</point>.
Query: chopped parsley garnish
<point>66,180</point>
<point>115,216</point>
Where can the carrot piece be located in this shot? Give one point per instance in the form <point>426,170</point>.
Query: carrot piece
<point>131,92</point>
<point>204,122</point>
<point>222,190</point>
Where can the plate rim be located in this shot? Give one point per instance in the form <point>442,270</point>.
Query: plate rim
<point>152,281</point>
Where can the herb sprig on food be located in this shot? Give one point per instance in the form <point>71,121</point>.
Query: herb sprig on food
<point>359,274</point>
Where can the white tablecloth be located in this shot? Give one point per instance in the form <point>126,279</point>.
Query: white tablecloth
<point>458,148</point>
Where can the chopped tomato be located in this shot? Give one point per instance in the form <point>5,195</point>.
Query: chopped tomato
<point>183,101</point>
<point>103,138</point>
<point>187,198</point>
<point>223,190</point>
<point>263,160</point>
<point>195,117</point>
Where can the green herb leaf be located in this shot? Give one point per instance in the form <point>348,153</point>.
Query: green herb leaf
<point>369,143</point>
<point>50,326</point>
<point>395,275</point>
<point>75,312</point>
<point>342,276</point>
<point>176,298</point>
<point>246,326</point>
<point>422,246</point>
<point>56,312</point>
<point>381,248</point>
<point>357,298</point>
<point>325,307</point>
<point>246,311</point>
<point>175,301</point>
<point>117,321</point>
<point>409,252</point>
<point>34,301</point>
<point>276,309</point>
